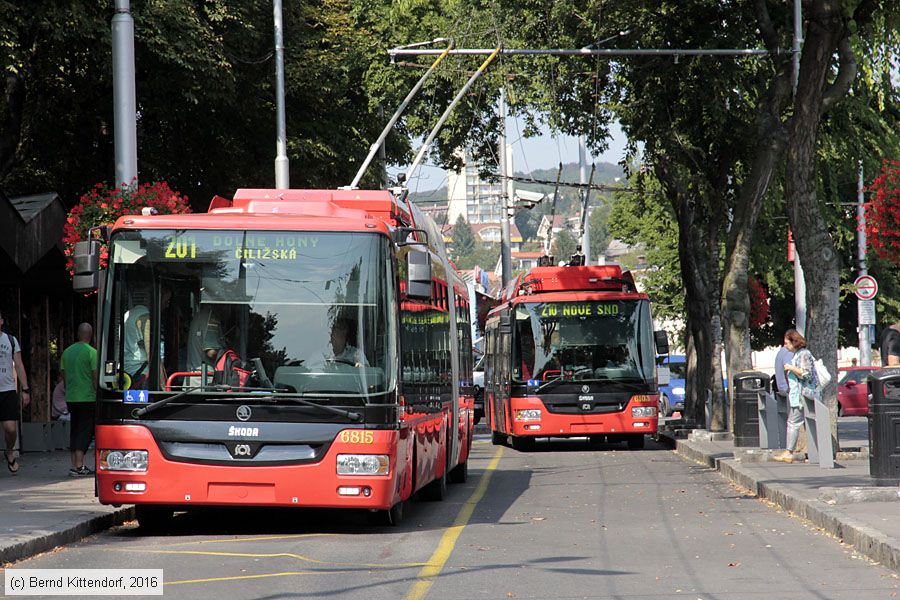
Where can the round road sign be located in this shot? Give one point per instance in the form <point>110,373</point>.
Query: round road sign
<point>866,287</point>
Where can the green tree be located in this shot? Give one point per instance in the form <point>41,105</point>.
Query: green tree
<point>463,238</point>
<point>564,245</point>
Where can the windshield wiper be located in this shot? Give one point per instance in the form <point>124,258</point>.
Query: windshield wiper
<point>552,383</point>
<point>140,412</point>
<point>349,414</point>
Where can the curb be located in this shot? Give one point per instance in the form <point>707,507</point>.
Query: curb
<point>864,539</point>
<point>47,540</point>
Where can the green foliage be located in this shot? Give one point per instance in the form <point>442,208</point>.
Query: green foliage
<point>643,219</point>
<point>564,245</point>
<point>463,238</point>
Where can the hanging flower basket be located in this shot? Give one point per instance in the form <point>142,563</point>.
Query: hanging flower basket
<point>883,213</point>
<point>102,206</point>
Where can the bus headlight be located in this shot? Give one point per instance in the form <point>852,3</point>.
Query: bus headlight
<point>124,460</point>
<point>638,412</point>
<point>528,414</point>
<point>363,464</point>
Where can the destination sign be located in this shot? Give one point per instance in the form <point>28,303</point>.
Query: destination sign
<point>207,246</point>
<point>579,309</point>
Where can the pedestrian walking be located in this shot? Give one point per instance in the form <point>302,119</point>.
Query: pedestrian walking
<point>800,374</point>
<point>890,346</point>
<point>79,367</point>
<point>11,367</point>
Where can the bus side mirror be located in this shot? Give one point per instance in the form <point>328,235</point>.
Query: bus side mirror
<point>662,342</point>
<point>418,274</point>
<point>663,375</point>
<point>402,237</point>
<point>505,324</point>
<point>87,266</point>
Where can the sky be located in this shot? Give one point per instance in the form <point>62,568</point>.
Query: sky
<point>541,152</point>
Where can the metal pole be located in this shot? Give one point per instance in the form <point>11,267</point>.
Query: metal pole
<point>797,45</point>
<point>437,127</point>
<point>586,229</point>
<point>505,184</point>
<point>379,143</point>
<point>282,170</point>
<point>865,345</point>
<point>799,281</point>
<point>799,294</point>
<point>124,102</point>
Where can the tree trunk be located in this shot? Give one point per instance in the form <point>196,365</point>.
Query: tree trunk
<point>695,276</point>
<point>815,245</point>
<point>772,138</point>
<point>11,120</point>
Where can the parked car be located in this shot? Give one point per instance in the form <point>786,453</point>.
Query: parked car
<point>853,391</point>
<point>478,383</point>
<point>671,396</point>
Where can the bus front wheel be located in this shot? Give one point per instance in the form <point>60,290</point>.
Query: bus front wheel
<point>498,439</point>
<point>523,444</point>
<point>390,517</point>
<point>153,518</point>
<point>636,441</point>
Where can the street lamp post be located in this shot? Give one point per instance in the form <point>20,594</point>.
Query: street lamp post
<point>124,102</point>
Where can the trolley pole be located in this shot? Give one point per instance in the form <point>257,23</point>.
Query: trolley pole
<point>124,102</point>
<point>282,170</point>
<point>505,257</point>
<point>865,344</point>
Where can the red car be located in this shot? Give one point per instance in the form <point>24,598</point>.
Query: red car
<point>853,391</point>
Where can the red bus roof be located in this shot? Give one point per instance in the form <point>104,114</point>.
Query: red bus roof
<point>317,210</point>
<point>585,278</point>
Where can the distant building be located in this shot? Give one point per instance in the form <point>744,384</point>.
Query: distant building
<point>489,233</point>
<point>477,200</point>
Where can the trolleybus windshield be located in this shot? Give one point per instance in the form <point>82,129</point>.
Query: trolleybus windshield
<point>196,307</point>
<point>583,340</point>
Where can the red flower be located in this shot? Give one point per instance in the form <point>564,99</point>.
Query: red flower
<point>883,213</point>
<point>102,206</point>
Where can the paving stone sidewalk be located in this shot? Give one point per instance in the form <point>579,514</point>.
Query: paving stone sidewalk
<point>842,501</point>
<point>42,507</point>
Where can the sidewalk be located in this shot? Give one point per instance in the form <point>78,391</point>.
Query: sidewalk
<point>42,507</point>
<point>841,501</point>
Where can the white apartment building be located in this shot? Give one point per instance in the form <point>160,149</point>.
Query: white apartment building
<point>478,201</point>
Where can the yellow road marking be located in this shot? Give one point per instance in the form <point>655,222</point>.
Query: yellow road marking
<point>238,577</point>
<point>445,547</point>
<point>251,539</point>
<point>281,555</point>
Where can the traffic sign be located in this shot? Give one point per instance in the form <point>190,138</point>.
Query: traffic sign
<point>866,312</point>
<point>866,287</point>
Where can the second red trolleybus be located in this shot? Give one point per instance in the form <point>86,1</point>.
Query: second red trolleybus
<point>305,348</point>
<point>571,352</point>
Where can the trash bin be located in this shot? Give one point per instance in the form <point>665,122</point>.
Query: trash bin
<point>884,426</point>
<point>747,385</point>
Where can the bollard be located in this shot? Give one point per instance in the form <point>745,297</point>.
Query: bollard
<point>818,432</point>
<point>884,426</point>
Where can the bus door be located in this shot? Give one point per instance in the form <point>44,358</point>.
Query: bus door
<point>504,347</point>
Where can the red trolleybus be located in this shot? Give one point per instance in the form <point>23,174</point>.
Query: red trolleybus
<point>571,352</point>
<point>288,348</point>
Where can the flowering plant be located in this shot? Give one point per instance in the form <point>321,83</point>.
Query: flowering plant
<point>883,213</point>
<point>102,206</point>
<point>759,302</point>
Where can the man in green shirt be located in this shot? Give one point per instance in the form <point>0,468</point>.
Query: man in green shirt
<point>79,368</point>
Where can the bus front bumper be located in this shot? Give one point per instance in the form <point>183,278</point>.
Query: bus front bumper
<point>532,419</point>
<point>188,484</point>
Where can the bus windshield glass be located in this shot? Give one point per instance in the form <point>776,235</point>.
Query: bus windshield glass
<point>235,311</point>
<point>583,340</point>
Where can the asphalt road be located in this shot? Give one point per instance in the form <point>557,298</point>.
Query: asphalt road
<point>566,521</point>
